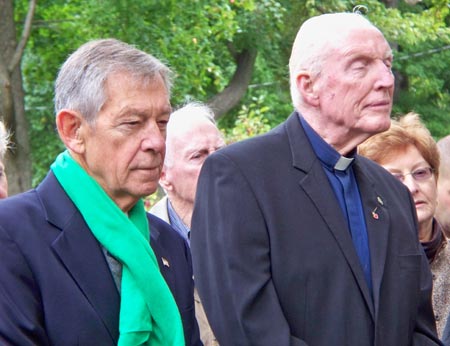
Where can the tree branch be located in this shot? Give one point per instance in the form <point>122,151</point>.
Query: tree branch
<point>427,52</point>
<point>23,40</point>
<point>236,89</point>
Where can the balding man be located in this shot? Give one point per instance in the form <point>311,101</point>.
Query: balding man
<point>443,207</point>
<point>296,240</point>
<point>192,135</point>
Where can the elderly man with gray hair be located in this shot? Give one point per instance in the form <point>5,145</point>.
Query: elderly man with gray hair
<point>443,206</point>
<point>298,241</point>
<point>192,136</point>
<point>82,262</point>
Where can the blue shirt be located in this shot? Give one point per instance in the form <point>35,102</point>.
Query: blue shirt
<point>339,170</point>
<point>176,222</point>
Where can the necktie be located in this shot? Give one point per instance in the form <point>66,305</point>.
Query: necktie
<point>355,218</point>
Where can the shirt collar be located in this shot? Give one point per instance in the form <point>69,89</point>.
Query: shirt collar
<point>329,157</point>
<point>176,221</point>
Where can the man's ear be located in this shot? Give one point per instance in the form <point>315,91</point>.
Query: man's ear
<point>306,88</point>
<point>69,124</point>
<point>163,181</point>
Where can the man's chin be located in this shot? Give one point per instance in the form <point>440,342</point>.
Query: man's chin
<point>147,191</point>
<point>381,125</point>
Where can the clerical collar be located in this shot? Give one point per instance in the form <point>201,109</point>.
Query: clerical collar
<point>329,157</point>
<point>343,163</point>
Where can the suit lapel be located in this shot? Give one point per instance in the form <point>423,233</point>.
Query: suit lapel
<point>377,222</point>
<point>163,257</point>
<point>81,254</point>
<point>316,185</point>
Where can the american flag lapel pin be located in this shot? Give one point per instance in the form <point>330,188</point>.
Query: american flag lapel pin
<point>165,262</point>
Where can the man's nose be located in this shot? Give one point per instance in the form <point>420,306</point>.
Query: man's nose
<point>153,139</point>
<point>385,77</point>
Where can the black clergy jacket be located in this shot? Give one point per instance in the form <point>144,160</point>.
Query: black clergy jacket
<point>273,257</point>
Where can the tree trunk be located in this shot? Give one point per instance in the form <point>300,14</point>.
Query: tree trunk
<point>390,3</point>
<point>12,105</point>
<point>236,89</point>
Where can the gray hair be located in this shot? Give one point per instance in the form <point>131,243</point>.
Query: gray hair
<point>315,41</point>
<point>4,140</point>
<point>81,79</point>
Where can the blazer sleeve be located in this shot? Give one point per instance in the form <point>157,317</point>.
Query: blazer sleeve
<point>177,271</point>
<point>21,318</point>
<point>231,260</point>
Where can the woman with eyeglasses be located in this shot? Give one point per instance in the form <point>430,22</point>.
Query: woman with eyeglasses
<point>409,152</point>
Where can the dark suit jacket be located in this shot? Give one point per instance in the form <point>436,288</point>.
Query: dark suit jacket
<point>55,285</point>
<point>273,258</point>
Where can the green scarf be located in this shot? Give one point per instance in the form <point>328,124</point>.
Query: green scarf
<point>148,312</point>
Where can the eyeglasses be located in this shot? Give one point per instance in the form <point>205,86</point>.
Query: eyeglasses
<point>420,174</point>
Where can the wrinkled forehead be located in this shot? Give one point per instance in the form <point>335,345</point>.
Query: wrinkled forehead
<point>196,132</point>
<point>368,40</point>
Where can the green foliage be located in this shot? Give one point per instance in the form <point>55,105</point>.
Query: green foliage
<point>54,36</point>
<point>198,39</point>
<point>251,121</point>
<point>422,41</point>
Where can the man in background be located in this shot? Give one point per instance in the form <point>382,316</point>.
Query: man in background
<point>4,144</point>
<point>296,240</point>
<point>192,135</point>
<point>77,265</point>
<point>443,206</point>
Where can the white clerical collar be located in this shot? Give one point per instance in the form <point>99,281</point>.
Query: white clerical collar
<point>343,163</point>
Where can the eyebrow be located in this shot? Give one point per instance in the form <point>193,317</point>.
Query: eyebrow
<point>192,150</point>
<point>167,109</point>
<point>389,55</point>
<point>127,110</point>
